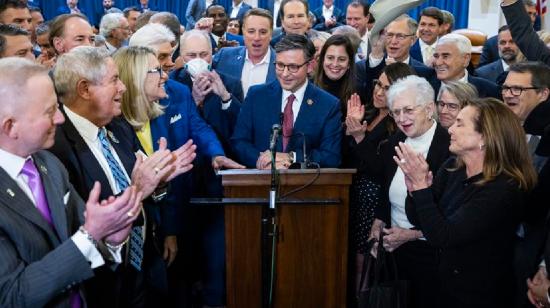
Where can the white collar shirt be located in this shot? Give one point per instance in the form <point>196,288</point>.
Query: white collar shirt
<point>299,98</point>
<point>254,74</point>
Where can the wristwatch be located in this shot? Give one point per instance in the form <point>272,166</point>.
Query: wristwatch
<point>88,236</point>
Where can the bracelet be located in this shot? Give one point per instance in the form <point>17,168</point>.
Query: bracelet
<point>88,235</point>
<point>116,247</point>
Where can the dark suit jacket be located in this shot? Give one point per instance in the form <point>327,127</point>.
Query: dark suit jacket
<point>474,227</point>
<point>242,10</point>
<point>437,155</point>
<point>230,61</point>
<point>490,71</point>
<point>489,53</point>
<point>39,266</point>
<point>319,119</point>
<point>416,52</point>
<point>320,19</point>
<point>84,170</point>
<point>525,37</point>
<point>271,7</point>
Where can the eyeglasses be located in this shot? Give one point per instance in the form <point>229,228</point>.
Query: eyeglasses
<point>398,36</point>
<point>293,68</point>
<point>407,111</point>
<point>379,84</point>
<point>516,91</point>
<point>450,106</point>
<point>156,70</point>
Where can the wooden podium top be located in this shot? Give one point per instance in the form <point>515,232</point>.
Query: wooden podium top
<point>255,177</point>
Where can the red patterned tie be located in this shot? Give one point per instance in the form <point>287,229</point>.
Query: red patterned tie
<point>288,120</point>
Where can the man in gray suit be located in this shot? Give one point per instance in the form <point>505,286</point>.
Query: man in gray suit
<point>47,246</point>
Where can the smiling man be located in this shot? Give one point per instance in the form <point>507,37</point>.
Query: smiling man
<point>294,18</point>
<point>68,31</point>
<point>431,19</point>
<point>219,37</point>
<point>508,52</point>
<point>306,114</point>
<point>254,61</point>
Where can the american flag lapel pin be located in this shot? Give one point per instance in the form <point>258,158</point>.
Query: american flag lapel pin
<point>309,102</point>
<point>112,136</point>
<point>10,192</point>
<point>43,169</point>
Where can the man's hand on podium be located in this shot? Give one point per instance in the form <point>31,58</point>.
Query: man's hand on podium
<point>282,160</point>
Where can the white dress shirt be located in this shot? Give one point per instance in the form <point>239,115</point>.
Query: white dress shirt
<point>254,74</point>
<point>276,7</point>
<point>328,12</point>
<point>505,66</point>
<point>235,10</point>
<point>299,97</point>
<point>208,3</point>
<point>252,3</point>
<point>13,165</point>
<point>426,50</point>
<point>89,132</point>
<point>398,189</point>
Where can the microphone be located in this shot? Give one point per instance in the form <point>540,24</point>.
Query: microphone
<point>305,164</point>
<point>275,130</point>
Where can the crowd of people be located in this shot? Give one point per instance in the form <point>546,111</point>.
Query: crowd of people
<point>108,130</point>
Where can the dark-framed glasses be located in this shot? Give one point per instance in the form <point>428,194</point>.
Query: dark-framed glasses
<point>450,106</point>
<point>516,90</point>
<point>379,84</point>
<point>293,68</point>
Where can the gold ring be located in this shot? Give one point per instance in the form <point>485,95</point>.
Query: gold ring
<point>130,214</point>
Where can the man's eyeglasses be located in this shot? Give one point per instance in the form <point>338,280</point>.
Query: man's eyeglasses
<point>450,106</point>
<point>156,70</point>
<point>379,84</point>
<point>293,68</point>
<point>398,36</point>
<point>406,111</point>
<point>515,90</point>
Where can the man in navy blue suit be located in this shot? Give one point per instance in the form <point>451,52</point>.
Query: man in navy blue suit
<point>306,113</point>
<point>238,9</point>
<point>252,63</point>
<point>451,58</point>
<point>71,8</point>
<point>431,19</point>
<point>508,52</point>
<point>328,16</point>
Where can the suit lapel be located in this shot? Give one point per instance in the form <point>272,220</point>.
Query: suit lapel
<point>305,115</point>
<point>13,197</point>
<point>85,158</point>
<point>271,76</point>
<point>239,62</point>
<point>55,197</point>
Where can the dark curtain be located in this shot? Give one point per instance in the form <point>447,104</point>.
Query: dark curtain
<point>91,7</point>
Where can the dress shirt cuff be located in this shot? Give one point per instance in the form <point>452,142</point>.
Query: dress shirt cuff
<point>88,249</point>
<point>227,104</point>
<point>374,62</point>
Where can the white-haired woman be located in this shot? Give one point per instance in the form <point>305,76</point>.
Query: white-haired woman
<point>410,103</point>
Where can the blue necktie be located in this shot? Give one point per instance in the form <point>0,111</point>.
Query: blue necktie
<point>136,237</point>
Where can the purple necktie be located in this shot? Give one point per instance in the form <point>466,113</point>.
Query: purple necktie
<point>37,189</point>
<point>35,184</point>
<point>288,121</point>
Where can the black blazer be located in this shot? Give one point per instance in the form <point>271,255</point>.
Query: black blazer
<point>437,155</point>
<point>474,226</point>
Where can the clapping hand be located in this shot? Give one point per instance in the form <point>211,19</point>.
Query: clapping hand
<point>414,167</point>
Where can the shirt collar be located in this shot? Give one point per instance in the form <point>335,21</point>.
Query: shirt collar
<point>424,45</point>
<point>85,128</point>
<point>237,6</point>
<point>299,94</point>
<point>505,65</point>
<point>463,79</point>
<point>265,59</point>
<point>11,163</point>
<point>328,9</point>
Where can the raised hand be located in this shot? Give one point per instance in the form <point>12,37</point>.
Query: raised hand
<point>182,163</point>
<point>217,86</point>
<point>355,109</point>
<point>149,172</point>
<point>414,166</point>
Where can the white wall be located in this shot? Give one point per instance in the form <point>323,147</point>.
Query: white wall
<point>486,16</point>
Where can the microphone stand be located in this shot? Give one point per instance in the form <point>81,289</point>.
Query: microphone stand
<point>269,237</point>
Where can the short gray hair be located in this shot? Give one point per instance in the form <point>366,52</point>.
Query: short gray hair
<point>423,91</point>
<point>15,74</point>
<point>110,22</point>
<point>83,62</point>
<point>152,35</point>
<point>460,41</point>
<point>411,23</point>
<point>168,19</point>
<point>195,33</point>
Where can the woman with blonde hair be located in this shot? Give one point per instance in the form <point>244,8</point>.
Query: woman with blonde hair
<point>471,210</point>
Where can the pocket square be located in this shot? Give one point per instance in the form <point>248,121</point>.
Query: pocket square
<point>66,197</point>
<point>175,118</point>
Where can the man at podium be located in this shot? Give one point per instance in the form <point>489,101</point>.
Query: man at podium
<point>306,116</point>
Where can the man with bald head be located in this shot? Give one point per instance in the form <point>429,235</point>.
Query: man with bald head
<point>48,247</point>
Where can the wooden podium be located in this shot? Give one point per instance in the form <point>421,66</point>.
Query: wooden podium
<point>311,261</point>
